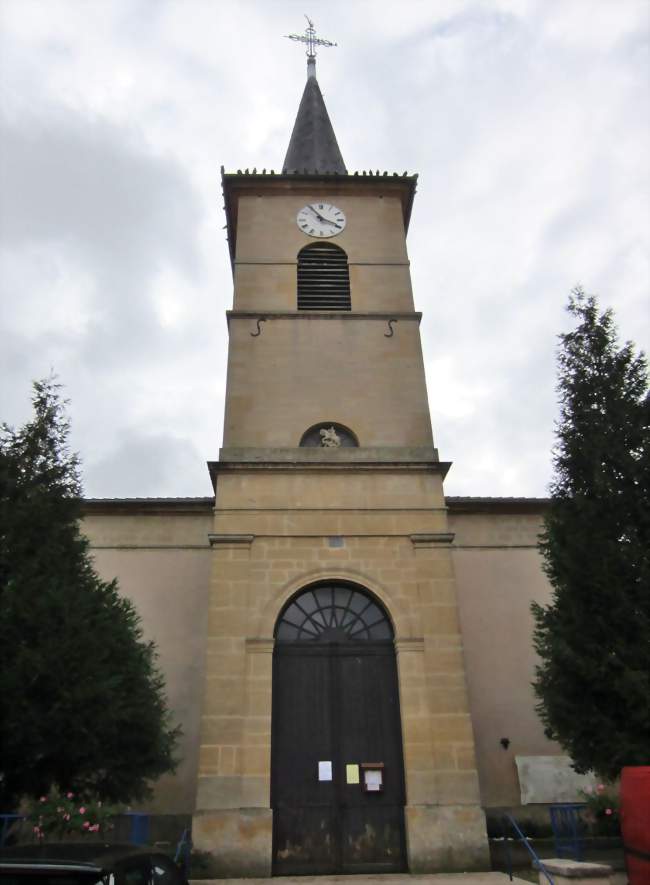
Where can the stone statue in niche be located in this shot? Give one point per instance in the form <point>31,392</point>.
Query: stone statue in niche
<point>328,435</point>
<point>329,438</point>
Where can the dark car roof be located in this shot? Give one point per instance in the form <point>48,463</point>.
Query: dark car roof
<point>94,855</point>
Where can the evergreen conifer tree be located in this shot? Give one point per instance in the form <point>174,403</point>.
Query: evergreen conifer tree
<point>593,683</point>
<point>82,702</point>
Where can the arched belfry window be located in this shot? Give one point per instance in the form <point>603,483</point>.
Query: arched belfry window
<point>333,612</point>
<point>323,278</point>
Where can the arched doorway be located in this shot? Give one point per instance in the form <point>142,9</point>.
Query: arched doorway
<point>335,714</point>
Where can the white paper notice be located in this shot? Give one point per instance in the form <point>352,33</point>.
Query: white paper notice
<point>373,781</point>
<point>325,771</point>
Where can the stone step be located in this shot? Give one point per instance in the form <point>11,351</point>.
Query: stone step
<point>381,879</point>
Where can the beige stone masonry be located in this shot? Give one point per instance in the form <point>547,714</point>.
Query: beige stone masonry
<point>392,286</point>
<point>268,377</point>
<point>498,572</point>
<point>255,575</point>
<point>267,230</point>
<point>286,517</point>
<point>163,563</point>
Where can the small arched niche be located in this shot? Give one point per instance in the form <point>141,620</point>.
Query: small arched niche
<point>329,435</point>
<point>333,612</point>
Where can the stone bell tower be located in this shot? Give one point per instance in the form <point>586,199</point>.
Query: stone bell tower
<point>328,482</point>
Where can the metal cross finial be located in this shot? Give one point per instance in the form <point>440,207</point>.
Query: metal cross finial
<point>310,38</point>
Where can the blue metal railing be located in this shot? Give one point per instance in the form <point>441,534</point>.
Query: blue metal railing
<point>567,828</point>
<point>537,861</point>
<point>8,820</point>
<point>184,852</point>
<point>139,827</point>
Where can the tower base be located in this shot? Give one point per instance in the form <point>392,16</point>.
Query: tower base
<point>446,838</point>
<point>440,838</point>
<point>239,840</point>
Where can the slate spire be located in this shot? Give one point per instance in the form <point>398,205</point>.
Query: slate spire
<point>313,146</point>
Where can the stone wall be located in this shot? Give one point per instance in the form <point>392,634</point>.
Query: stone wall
<point>161,557</point>
<point>387,541</point>
<point>163,562</point>
<point>499,573</point>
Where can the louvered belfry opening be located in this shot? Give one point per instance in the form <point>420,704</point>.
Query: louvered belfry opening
<point>323,278</point>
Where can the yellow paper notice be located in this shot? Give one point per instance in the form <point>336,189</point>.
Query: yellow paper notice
<point>352,773</point>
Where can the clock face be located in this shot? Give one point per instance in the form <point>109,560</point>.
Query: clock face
<point>320,220</point>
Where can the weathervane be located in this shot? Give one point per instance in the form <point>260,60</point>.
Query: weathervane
<point>310,38</point>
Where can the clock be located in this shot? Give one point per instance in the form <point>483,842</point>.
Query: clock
<point>320,220</point>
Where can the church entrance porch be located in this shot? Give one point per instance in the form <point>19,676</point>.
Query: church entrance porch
<point>337,775</point>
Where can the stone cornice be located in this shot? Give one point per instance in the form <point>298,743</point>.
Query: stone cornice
<point>310,315</point>
<point>439,539</point>
<point>408,644</point>
<point>262,645</point>
<point>321,455</point>
<point>325,464</point>
<point>230,540</point>
<point>385,262</point>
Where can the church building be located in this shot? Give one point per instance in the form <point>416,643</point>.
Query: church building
<point>347,650</point>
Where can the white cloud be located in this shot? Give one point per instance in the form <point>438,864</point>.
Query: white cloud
<point>525,118</point>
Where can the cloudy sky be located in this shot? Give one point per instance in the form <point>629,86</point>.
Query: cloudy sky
<point>527,121</point>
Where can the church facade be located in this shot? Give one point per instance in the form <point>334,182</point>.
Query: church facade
<point>347,650</point>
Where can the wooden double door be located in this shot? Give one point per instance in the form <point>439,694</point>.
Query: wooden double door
<point>336,702</point>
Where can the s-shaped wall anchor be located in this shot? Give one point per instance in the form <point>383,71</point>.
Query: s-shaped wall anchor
<point>391,331</point>
<point>259,330</point>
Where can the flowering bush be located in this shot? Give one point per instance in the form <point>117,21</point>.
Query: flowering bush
<point>66,813</point>
<point>602,811</point>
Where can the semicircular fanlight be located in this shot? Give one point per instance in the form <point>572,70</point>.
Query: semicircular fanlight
<point>333,613</point>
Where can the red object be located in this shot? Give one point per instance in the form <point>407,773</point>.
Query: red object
<point>635,822</point>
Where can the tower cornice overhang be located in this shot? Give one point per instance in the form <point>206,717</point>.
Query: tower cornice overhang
<point>237,184</point>
<point>311,315</point>
<point>321,461</point>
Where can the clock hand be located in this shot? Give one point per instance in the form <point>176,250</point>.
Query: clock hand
<point>325,220</point>
<point>320,217</point>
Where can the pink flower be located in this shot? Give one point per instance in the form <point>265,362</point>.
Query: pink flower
<point>66,817</point>
<point>86,825</point>
<point>94,828</point>
<point>37,830</point>
<point>82,810</point>
<point>43,799</point>
<point>69,795</point>
<point>600,788</point>
<point>588,790</point>
<point>608,811</point>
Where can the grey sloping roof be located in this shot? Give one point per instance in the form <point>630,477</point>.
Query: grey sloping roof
<point>313,146</point>
<point>478,504</point>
